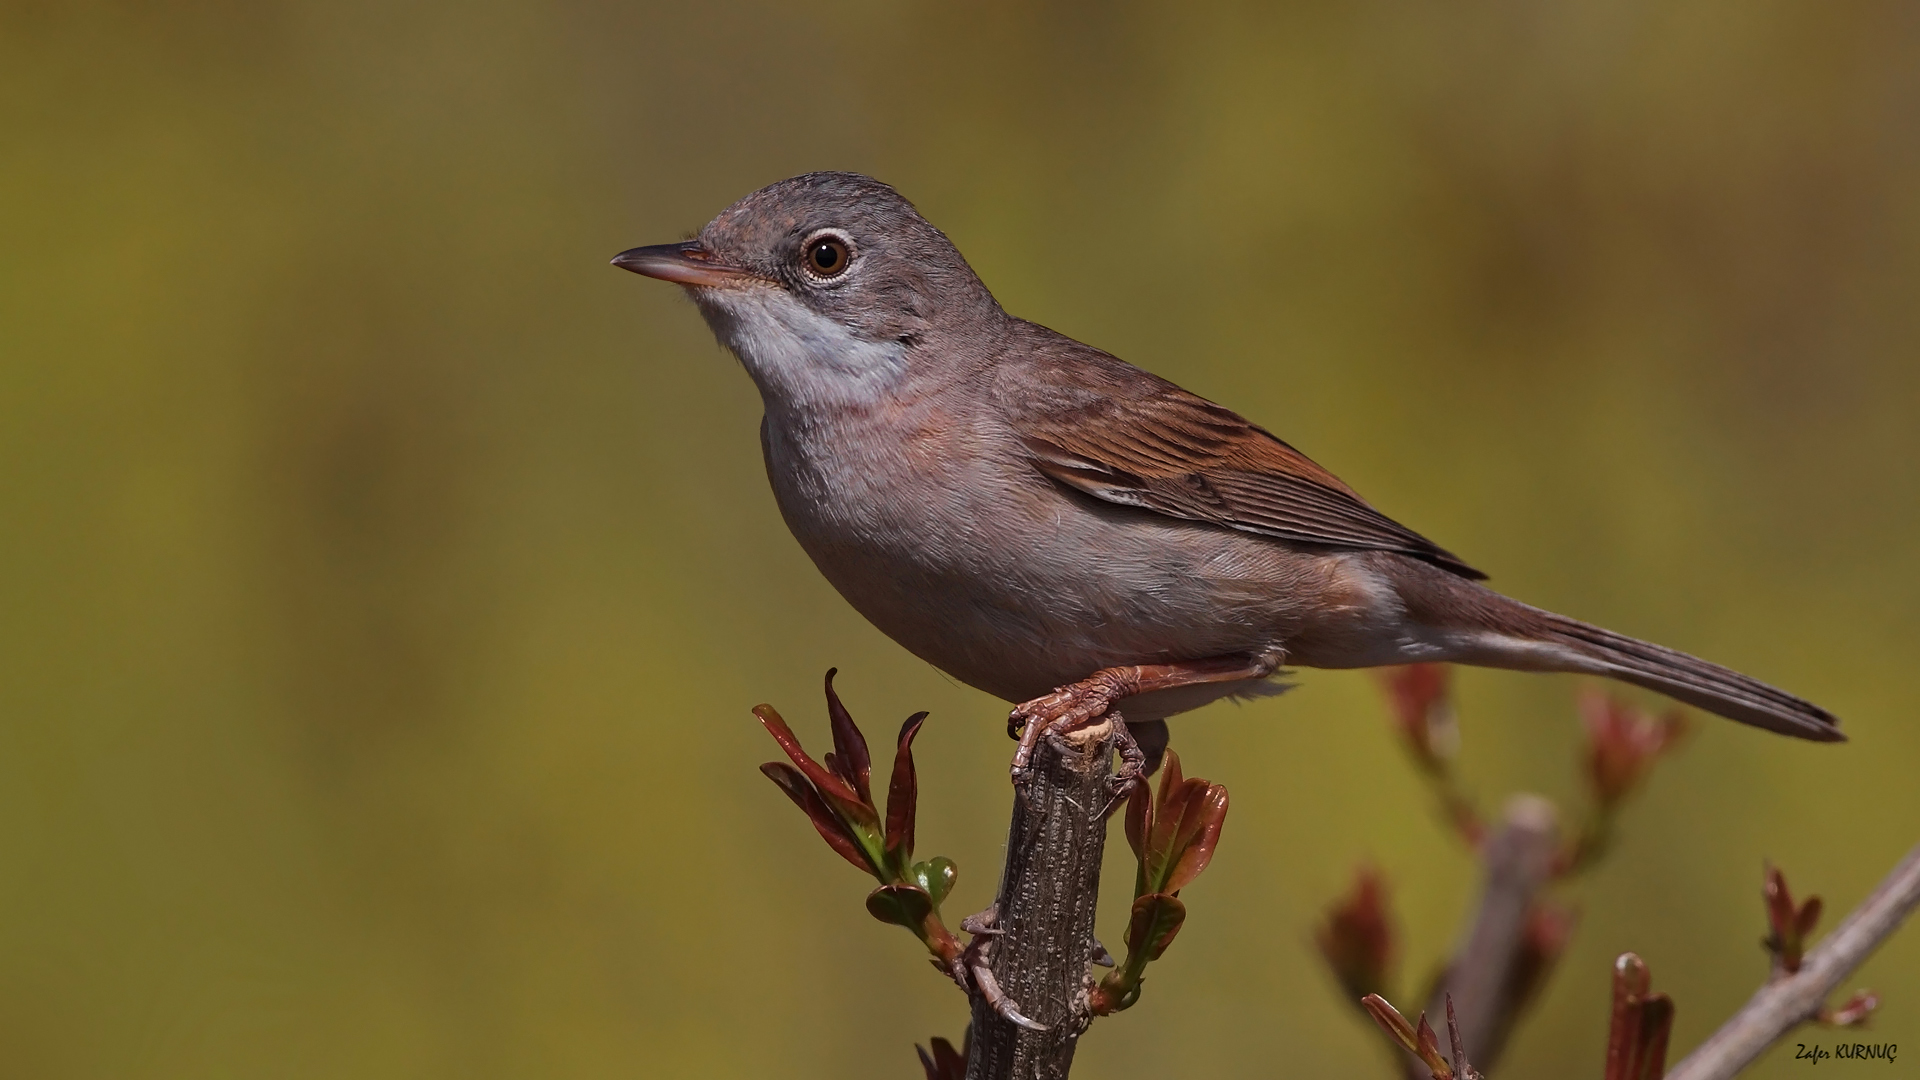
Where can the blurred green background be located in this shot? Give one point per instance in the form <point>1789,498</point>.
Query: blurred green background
<point>386,579</point>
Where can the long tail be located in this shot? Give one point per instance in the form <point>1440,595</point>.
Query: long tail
<point>1502,632</point>
<point>1709,686</point>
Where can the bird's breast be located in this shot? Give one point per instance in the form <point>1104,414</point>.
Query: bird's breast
<point>893,492</point>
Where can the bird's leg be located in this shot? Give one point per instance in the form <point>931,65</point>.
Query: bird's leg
<point>1132,770</point>
<point>1077,704</point>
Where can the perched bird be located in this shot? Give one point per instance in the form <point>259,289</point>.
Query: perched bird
<point>1059,528</point>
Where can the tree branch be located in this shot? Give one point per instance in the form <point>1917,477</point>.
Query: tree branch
<point>1787,1002</point>
<point>1043,937</point>
<point>1485,979</point>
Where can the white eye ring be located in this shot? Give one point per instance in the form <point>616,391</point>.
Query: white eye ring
<point>826,255</point>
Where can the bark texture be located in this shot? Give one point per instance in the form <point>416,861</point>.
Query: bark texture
<point>1048,893</point>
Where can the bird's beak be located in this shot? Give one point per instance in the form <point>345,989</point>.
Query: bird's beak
<point>682,264</point>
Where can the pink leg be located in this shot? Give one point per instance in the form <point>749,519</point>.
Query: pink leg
<point>1078,704</point>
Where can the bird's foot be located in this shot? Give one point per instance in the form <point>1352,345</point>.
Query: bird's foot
<point>1132,770</point>
<point>1075,705</point>
<point>982,925</point>
<point>973,959</point>
<point>1067,709</point>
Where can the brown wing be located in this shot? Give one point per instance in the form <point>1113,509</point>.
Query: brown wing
<point>1177,454</point>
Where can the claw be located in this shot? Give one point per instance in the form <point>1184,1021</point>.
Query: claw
<point>981,925</point>
<point>1031,728</point>
<point>983,922</point>
<point>1076,704</point>
<point>1132,770</point>
<point>1101,957</point>
<point>1000,1002</point>
<point>1066,709</point>
<point>974,960</point>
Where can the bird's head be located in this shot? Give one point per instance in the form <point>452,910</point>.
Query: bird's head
<point>827,286</point>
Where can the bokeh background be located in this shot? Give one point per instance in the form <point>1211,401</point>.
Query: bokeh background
<point>385,580</point>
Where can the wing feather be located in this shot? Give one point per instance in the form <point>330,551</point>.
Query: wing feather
<point>1163,449</point>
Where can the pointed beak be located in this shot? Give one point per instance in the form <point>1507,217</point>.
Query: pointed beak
<point>682,264</point>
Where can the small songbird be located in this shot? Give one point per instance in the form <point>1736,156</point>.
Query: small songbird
<point>1059,528</point>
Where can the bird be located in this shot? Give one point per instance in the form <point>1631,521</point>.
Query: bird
<point>1065,531</point>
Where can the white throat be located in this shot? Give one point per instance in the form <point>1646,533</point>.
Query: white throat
<point>796,355</point>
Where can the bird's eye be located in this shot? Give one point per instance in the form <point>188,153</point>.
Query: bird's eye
<point>827,256</point>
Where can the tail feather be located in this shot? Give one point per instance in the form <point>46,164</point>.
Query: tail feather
<point>1690,679</point>
<point>1472,624</point>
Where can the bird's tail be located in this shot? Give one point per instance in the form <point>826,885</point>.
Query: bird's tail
<point>1709,686</point>
<point>1556,643</point>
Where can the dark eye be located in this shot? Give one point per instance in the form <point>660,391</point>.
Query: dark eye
<point>827,256</point>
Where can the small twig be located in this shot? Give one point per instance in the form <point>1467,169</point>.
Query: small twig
<point>1461,1066</point>
<point>1482,978</point>
<point>1786,1002</point>
<point>1420,1042</point>
<point>1430,733</point>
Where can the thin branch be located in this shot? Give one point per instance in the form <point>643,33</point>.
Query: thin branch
<point>1042,934</point>
<point>1786,1002</point>
<point>1484,978</point>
